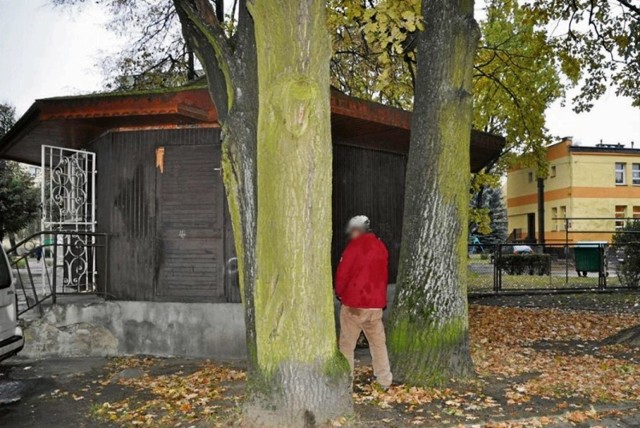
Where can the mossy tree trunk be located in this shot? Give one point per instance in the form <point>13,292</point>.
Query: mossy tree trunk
<point>270,84</point>
<point>428,333</point>
<point>305,377</point>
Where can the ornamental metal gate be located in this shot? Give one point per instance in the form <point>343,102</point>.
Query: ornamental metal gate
<point>68,206</point>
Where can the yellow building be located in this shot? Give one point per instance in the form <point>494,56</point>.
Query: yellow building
<point>583,182</point>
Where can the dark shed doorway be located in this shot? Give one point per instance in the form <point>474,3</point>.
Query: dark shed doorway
<point>368,182</point>
<point>190,222</point>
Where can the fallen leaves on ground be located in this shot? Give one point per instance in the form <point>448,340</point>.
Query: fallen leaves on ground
<point>201,395</point>
<point>509,342</point>
<point>538,357</point>
<point>520,326</point>
<point>540,354</point>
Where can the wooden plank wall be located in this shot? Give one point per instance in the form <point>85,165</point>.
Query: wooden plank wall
<point>365,182</point>
<point>127,208</point>
<point>371,183</point>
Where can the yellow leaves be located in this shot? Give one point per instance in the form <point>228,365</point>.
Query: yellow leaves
<point>537,356</point>
<point>481,217</point>
<point>525,326</point>
<point>418,420</point>
<point>517,395</point>
<point>370,27</point>
<point>340,422</point>
<point>176,397</point>
<point>412,396</point>
<point>570,66</point>
<point>505,343</point>
<point>410,15</point>
<point>579,417</point>
<point>370,60</point>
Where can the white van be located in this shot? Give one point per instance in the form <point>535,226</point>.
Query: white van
<point>11,337</point>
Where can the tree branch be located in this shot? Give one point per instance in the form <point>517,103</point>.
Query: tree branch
<point>204,33</point>
<point>633,8</point>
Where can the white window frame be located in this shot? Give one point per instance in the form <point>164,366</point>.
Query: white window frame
<point>635,174</point>
<point>621,215</point>
<point>623,169</point>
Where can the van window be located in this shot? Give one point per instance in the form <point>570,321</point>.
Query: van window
<point>5,275</point>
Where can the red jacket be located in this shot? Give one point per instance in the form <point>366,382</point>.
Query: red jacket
<point>361,279</point>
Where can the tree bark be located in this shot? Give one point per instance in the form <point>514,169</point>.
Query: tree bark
<point>428,334</point>
<point>270,84</point>
<point>305,379</point>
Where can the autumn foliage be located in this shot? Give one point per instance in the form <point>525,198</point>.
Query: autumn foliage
<point>536,367</point>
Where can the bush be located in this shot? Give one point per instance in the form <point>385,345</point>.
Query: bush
<point>627,246</point>
<point>19,199</point>
<point>20,263</point>
<point>519,264</point>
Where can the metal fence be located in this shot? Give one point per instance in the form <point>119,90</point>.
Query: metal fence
<point>518,268</point>
<point>48,264</point>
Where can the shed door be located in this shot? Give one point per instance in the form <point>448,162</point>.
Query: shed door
<point>190,223</point>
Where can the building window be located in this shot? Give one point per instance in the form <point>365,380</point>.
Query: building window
<point>563,214</point>
<point>636,212</point>
<point>556,222</point>
<point>636,174</point>
<point>621,172</point>
<point>553,172</point>
<point>621,213</point>
<point>531,177</point>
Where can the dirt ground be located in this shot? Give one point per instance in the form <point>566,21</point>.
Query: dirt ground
<point>538,358</point>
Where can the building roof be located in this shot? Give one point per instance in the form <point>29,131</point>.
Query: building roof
<point>566,145</point>
<point>605,149</point>
<point>75,121</point>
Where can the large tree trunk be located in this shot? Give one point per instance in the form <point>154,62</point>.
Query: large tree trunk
<point>305,379</point>
<point>428,334</point>
<point>270,84</point>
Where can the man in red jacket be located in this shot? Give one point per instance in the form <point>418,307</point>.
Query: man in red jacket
<point>361,286</point>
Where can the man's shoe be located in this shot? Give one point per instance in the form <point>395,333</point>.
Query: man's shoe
<point>381,388</point>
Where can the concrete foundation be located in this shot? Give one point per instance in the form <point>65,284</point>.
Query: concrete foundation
<point>93,327</point>
<point>101,328</point>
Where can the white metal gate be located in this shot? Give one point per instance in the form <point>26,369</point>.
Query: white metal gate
<point>68,206</point>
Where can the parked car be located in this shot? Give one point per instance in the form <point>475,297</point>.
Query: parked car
<point>516,250</point>
<point>522,250</point>
<point>11,337</point>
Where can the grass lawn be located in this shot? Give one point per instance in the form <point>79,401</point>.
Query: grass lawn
<point>480,279</point>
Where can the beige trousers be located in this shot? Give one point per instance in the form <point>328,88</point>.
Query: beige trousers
<point>352,322</point>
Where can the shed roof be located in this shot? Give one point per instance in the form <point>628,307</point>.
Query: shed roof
<point>75,121</point>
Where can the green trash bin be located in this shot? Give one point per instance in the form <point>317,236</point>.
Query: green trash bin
<point>48,247</point>
<point>588,257</point>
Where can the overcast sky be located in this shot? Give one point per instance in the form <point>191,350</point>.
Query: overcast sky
<point>46,53</point>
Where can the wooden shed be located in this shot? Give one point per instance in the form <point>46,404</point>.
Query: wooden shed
<point>159,193</point>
